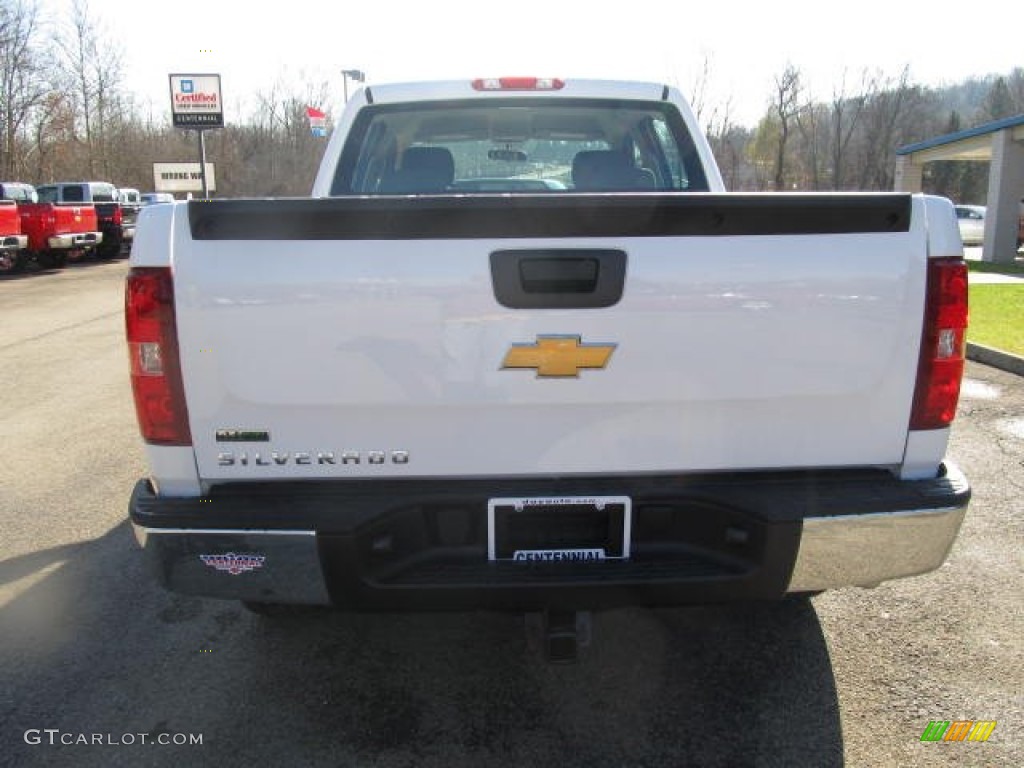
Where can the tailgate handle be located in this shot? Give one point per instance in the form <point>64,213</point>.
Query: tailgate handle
<point>570,278</point>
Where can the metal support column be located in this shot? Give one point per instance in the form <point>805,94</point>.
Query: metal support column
<point>202,163</point>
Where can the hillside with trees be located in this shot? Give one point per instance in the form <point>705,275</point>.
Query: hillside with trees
<point>848,142</point>
<point>65,114</point>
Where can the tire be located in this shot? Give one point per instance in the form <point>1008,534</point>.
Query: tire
<point>106,250</point>
<point>11,262</point>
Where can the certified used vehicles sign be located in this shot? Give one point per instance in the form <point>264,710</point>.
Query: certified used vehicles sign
<point>196,101</point>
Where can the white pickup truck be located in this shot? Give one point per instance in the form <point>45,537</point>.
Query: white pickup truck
<point>521,350</point>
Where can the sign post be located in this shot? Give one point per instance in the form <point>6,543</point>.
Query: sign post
<point>196,104</point>
<point>356,74</point>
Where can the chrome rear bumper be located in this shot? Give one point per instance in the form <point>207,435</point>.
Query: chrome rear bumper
<point>418,545</point>
<point>834,552</point>
<point>13,242</point>
<point>75,240</point>
<point>864,550</point>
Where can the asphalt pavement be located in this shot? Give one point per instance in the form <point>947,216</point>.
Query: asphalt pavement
<point>92,651</point>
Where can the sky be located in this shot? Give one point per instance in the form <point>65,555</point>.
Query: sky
<point>744,45</point>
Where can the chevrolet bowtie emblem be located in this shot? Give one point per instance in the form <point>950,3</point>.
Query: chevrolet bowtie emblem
<point>558,356</point>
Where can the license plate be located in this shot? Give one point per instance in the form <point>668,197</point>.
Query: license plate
<point>576,529</point>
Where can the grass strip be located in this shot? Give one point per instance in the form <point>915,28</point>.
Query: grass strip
<point>997,317</point>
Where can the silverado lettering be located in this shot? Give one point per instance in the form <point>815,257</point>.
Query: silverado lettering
<point>230,459</point>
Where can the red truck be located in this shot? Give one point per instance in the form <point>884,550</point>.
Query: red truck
<point>55,231</point>
<point>12,241</point>
<point>116,220</point>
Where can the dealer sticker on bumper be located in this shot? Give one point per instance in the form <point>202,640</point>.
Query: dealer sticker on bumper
<point>232,563</point>
<point>559,555</point>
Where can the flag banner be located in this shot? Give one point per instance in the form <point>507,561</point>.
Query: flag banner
<point>317,121</point>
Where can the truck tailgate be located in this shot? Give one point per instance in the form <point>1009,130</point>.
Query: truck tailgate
<point>358,337</point>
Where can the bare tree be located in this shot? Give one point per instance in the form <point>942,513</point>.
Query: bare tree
<point>94,77</point>
<point>785,105</point>
<point>22,81</point>
<point>1015,84</point>
<point>998,101</point>
<point>53,134</point>
<point>845,116</point>
<point>698,90</point>
<point>885,119</point>
<point>729,144</point>
<point>761,151</point>
<point>274,153</point>
<point>812,124</point>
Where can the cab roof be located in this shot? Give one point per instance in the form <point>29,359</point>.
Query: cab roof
<point>442,90</point>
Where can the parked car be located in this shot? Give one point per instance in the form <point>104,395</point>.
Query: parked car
<point>154,198</point>
<point>971,219</point>
<point>131,205</point>
<point>54,231</point>
<point>18,191</point>
<point>116,221</point>
<point>129,196</point>
<point>12,241</point>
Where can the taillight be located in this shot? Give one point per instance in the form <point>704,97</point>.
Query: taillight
<point>942,345</point>
<point>153,351</point>
<point>518,84</point>
<point>117,215</point>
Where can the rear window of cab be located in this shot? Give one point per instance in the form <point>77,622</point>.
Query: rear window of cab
<point>76,193</point>
<point>520,145</point>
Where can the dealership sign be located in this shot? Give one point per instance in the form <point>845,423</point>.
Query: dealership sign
<point>181,177</point>
<point>196,101</point>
